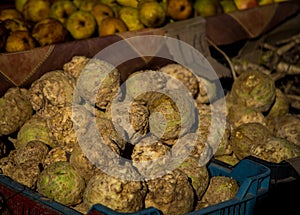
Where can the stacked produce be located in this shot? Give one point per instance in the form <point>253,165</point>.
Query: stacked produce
<point>44,148</point>
<point>255,111</point>
<point>52,147</point>
<point>33,23</point>
<point>266,94</point>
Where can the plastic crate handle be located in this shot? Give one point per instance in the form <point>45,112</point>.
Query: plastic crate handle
<point>255,183</point>
<point>99,209</point>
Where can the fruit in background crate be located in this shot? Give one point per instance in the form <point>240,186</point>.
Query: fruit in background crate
<point>100,11</point>
<point>130,16</point>
<point>206,7</point>
<point>112,25</point>
<point>228,6</point>
<point>61,10</point>
<point>245,4</point>
<point>220,189</point>
<point>128,3</point>
<point>19,4</point>
<point>179,9</point>
<point>81,24</point>
<point>116,193</point>
<point>87,5</point>
<point>49,31</point>
<point>264,2</point>
<point>15,110</point>
<point>172,193</point>
<point>61,182</point>
<point>36,10</point>
<point>3,36</point>
<point>16,25</point>
<point>10,13</point>
<point>113,4</point>
<point>19,41</point>
<point>151,14</point>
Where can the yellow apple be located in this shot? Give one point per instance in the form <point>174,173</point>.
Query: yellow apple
<point>228,6</point>
<point>81,24</point>
<point>205,7</point>
<point>245,4</point>
<point>180,9</point>
<point>264,2</point>
<point>19,4</point>
<point>112,25</point>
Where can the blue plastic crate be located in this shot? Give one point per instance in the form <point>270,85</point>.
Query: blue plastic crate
<point>253,178</point>
<point>99,209</point>
<point>254,181</point>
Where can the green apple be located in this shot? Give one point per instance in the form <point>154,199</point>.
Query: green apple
<point>265,2</point>
<point>101,11</point>
<point>151,14</point>
<point>19,4</point>
<point>49,31</point>
<point>112,25</point>
<point>130,16</point>
<point>180,9</point>
<point>205,7</point>
<point>10,13</point>
<point>81,24</point>
<point>128,3</point>
<point>228,6</point>
<point>61,10</point>
<point>36,10</point>
<point>245,4</point>
<point>19,41</point>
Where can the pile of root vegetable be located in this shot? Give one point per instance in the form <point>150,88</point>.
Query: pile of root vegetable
<point>49,143</point>
<point>264,112</point>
